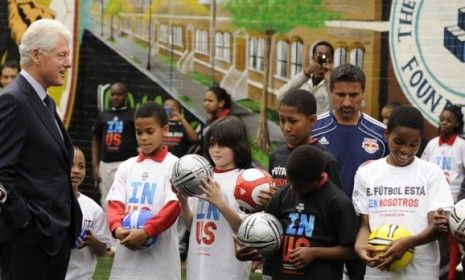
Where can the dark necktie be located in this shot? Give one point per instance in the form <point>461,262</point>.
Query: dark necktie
<point>50,105</point>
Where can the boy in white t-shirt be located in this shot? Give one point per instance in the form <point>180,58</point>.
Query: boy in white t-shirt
<point>404,190</point>
<point>143,182</point>
<point>96,237</point>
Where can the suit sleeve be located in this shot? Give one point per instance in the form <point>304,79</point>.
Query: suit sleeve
<point>12,138</point>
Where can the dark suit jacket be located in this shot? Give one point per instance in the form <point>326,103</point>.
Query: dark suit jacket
<point>35,165</point>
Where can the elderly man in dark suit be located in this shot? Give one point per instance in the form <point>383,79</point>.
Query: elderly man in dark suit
<point>40,218</point>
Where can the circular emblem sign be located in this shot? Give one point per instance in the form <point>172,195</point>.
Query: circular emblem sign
<point>427,45</point>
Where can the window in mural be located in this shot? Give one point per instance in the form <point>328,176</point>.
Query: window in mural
<point>281,59</point>
<point>223,45</point>
<point>339,56</point>
<point>204,41</point>
<point>296,57</point>
<point>201,41</point>
<point>139,27</point>
<point>154,32</point>
<point>226,47</point>
<point>163,33</point>
<point>256,53</point>
<point>219,45</point>
<point>175,35</point>
<point>356,57</point>
<point>197,40</point>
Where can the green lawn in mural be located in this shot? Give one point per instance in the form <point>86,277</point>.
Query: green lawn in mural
<point>201,78</point>
<point>167,60</point>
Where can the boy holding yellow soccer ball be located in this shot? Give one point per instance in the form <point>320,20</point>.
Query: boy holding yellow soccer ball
<point>404,191</point>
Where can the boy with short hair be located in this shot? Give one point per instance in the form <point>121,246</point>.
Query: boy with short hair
<point>113,139</point>
<point>297,116</point>
<point>413,191</point>
<point>97,237</point>
<point>143,182</point>
<point>319,221</point>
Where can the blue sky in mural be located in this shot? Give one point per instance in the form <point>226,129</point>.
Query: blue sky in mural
<point>84,19</point>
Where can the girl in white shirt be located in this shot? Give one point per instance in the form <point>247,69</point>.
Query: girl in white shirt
<point>215,216</point>
<point>448,151</point>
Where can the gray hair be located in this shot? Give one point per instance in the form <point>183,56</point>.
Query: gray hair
<point>42,34</point>
<point>347,73</point>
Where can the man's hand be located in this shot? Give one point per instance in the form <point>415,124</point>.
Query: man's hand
<point>313,67</point>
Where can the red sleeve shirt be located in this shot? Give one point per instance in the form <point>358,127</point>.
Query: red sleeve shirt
<point>155,226</point>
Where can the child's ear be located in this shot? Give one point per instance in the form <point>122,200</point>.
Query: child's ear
<point>313,119</point>
<point>165,129</point>
<point>323,176</point>
<point>221,103</point>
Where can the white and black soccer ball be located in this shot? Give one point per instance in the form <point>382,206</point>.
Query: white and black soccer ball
<point>188,172</point>
<point>457,217</point>
<point>261,231</point>
<point>136,220</point>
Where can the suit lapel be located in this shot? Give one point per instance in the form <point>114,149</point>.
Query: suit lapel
<point>68,145</point>
<point>44,117</point>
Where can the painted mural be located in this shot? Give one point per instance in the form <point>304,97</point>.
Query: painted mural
<point>427,41</point>
<point>181,47</point>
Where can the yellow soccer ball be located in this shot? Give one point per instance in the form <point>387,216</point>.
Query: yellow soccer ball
<point>381,237</point>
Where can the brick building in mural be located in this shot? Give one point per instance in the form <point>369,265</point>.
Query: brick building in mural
<point>184,30</point>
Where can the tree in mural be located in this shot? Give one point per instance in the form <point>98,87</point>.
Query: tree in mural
<point>274,17</point>
<point>115,8</point>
